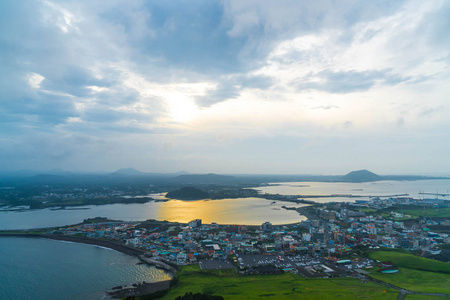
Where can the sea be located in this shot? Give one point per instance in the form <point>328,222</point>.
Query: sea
<point>341,190</point>
<point>38,268</point>
<point>244,211</point>
<point>33,268</point>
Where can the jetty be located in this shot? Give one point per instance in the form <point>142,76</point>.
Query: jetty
<point>138,289</point>
<point>157,263</point>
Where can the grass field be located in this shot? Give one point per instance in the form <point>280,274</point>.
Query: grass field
<point>417,274</point>
<point>286,286</point>
<point>416,280</point>
<point>409,213</point>
<point>429,212</point>
<point>368,210</point>
<point>423,297</point>
<point>411,261</point>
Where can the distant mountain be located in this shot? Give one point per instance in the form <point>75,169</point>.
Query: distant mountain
<point>21,173</point>
<point>206,179</point>
<point>187,193</point>
<point>133,173</point>
<point>128,172</point>
<point>181,173</point>
<point>47,179</point>
<point>132,176</point>
<point>361,176</point>
<point>30,173</point>
<point>57,172</point>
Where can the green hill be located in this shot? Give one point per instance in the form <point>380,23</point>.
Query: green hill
<point>361,176</point>
<point>187,193</point>
<point>417,274</point>
<point>411,261</point>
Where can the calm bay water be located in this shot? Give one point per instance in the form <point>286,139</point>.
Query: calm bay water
<point>245,211</point>
<point>378,188</point>
<point>34,268</point>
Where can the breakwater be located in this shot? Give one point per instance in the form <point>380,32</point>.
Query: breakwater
<point>138,289</point>
<point>159,264</point>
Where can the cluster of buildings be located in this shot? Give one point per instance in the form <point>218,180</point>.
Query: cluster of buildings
<point>426,203</point>
<point>349,226</point>
<point>335,234</point>
<point>78,193</point>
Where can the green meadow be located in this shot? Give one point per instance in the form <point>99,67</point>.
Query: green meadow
<point>410,261</point>
<point>422,297</point>
<point>285,286</point>
<point>417,274</point>
<point>429,212</point>
<point>417,281</point>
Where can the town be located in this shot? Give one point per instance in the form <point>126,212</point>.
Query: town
<point>331,243</point>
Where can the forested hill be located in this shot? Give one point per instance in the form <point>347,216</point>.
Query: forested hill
<point>187,193</point>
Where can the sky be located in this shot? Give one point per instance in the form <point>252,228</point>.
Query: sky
<point>277,87</point>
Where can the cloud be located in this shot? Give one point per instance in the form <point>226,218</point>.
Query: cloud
<point>230,87</point>
<point>347,124</point>
<point>428,112</point>
<point>268,23</point>
<point>34,80</point>
<point>347,81</point>
<point>60,61</point>
<point>153,73</point>
<point>326,107</point>
<point>221,93</point>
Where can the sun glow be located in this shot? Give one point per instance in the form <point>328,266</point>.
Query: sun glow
<point>181,108</point>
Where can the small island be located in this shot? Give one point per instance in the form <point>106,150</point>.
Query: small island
<point>188,193</point>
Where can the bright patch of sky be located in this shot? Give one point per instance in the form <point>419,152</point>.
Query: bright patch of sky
<point>225,86</point>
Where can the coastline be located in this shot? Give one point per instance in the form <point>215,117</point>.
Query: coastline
<point>76,239</point>
<point>135,289</point>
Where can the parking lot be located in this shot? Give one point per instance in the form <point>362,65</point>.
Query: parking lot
<point>280,262</point>
<point>215,264</point>
<point>303,265</point>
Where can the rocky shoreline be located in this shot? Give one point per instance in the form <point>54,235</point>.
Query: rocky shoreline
<point>138,289</point>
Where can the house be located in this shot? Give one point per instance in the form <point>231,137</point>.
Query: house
<point>181,258</point>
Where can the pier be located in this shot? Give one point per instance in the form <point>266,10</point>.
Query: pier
<point>157,263</point>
